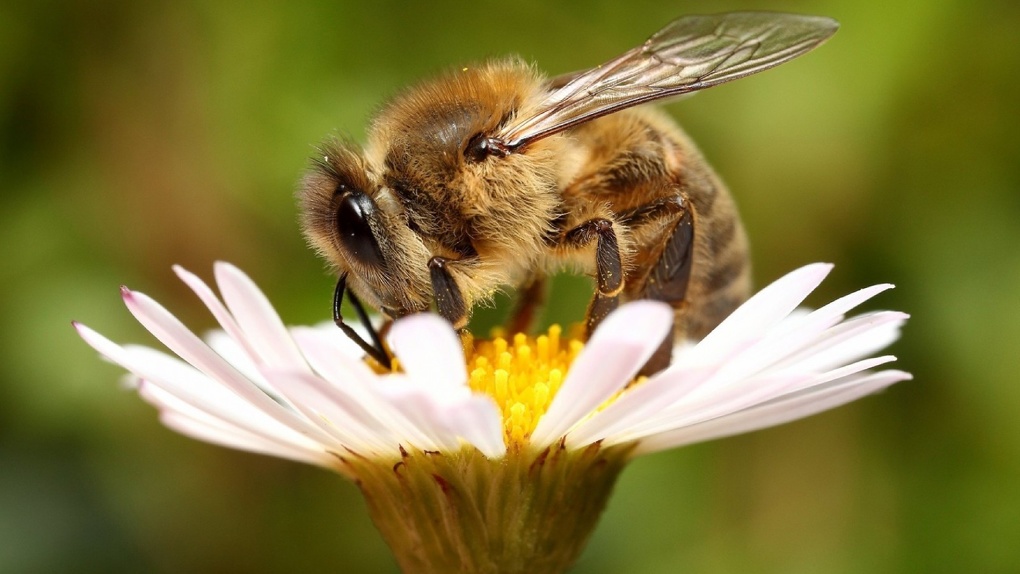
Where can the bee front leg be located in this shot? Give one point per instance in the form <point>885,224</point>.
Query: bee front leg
<point>375,349</point>
<point>608,267</point>
<point>449,300</point>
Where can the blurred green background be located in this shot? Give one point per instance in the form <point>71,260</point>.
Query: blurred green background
<point>138,135</point>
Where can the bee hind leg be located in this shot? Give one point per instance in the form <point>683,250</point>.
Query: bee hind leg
<point>668,280</point>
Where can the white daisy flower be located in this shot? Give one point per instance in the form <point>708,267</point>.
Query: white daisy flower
<point>502,459</point>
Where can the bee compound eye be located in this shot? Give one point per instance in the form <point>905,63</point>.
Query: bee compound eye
<point>354,231</point>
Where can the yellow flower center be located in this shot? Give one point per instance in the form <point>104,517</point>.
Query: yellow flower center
<point>522,376</point>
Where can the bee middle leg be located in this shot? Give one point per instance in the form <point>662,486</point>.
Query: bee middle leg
<point>608,266</point>
<point>530,296</point>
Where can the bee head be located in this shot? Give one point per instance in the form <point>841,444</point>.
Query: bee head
<point>357,227</point>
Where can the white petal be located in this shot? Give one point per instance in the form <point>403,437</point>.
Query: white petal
<point>726,401</point>
<point>233,351</point>
<point>796,334</point>
<point>753,391</point>
<point>854,338</point>
<point>331,356</point>
<point>761,312</point>
<point>830,314</point>
<point>478,421</point>
<point>262,326</point>
<point>771,414</point>
<point>430,352</point>
<point>637,404</point>
<point>346,344</point>
<point>614,354</point>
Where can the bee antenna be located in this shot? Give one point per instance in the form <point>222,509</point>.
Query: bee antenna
<point>375,349</point>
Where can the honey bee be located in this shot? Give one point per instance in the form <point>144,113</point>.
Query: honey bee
<point>494,175</point>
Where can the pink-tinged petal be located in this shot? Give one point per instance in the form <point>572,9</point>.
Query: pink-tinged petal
<point>231,350</point>
<point>201,430</point>
<point>184,380</point>
<point>325,352</point>
<point>344,343</point>
<point>330,356</point>
<point>761,312</point>
<point>392,399</point>
<point>637,404</point>
<point>172,333</point>
<point>194,389</point>
<point>222,315</point>
<point>263,328</point>
<point>422,418</point>
<point>171,407</point>
<point>614,354</point>
<point>775,413</point>
<point>429,351</point>
<point>336,413</point>
<point>824,378</point>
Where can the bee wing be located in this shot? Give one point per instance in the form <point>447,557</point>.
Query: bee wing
<point>691,53</point>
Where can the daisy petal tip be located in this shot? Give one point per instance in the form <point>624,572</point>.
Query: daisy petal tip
<point>182,273</point>
<point>227,272</point>
<point>822,267</point>
<point>222,269</point>
<point>818,271</point>
<point>82,329</point>
<point>900,376</point>
<point>87,333</point>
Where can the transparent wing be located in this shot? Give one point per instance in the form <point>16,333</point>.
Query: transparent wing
<point>691,53</point>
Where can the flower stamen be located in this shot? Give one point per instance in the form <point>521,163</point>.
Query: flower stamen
<point>522,376</point>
